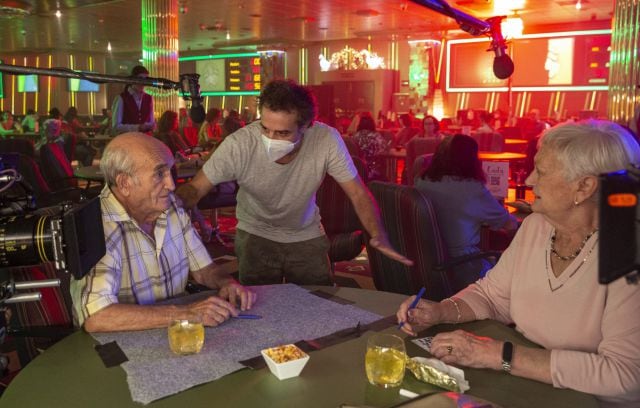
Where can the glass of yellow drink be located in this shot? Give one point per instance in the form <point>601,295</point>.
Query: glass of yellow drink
<point>186,336</point>
<point>385,360</point>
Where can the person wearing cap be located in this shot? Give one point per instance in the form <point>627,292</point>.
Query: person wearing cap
<point>133,108</point>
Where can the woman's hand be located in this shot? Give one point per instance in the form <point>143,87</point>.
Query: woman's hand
<point>426,314</point>
<point>462,348</point>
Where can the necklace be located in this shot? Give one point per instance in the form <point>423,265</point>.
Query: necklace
<point>575,254</point>
<point>548,260</point>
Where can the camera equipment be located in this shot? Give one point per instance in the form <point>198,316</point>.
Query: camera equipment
<point>619,217</point>
<point>73,239</point>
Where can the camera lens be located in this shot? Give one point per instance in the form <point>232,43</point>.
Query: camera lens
<point>25,240</point>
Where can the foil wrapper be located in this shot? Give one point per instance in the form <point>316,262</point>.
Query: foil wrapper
<point>435,372</point>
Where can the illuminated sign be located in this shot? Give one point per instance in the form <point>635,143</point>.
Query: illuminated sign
<point>565,61</point>
<point>227,74</point>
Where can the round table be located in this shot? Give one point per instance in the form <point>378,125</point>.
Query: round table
<point>70,374</point>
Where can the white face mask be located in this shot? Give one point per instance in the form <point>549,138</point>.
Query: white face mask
<point>277,149</point>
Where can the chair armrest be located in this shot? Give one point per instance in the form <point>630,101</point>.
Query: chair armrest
<point>491,256</point>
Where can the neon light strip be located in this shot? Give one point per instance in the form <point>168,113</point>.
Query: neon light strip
<point>532,89</point>
<point>230,93</point>
<point>219,56</point>
<point>24,96</point>
<point>50,63</point>
<point>72,95</point>
<point>37,93</point>
<point>539,35</point>
<point>13,88</point>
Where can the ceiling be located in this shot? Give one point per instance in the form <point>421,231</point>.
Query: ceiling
<point>87,25</point>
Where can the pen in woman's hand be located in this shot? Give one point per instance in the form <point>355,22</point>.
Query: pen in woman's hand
<point>413,304</point>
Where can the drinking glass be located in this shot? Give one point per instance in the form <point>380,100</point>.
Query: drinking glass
<point>186,336</point>
<point>385,360</point>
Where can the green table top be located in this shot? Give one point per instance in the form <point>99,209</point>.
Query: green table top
<point>70,374</point>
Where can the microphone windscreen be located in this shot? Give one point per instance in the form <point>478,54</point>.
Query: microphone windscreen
<point>502,66</point>
<point>197,114</point>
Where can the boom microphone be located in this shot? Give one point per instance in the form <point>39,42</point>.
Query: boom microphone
<point>502,63</point>
<point>196,113</point>
<point>191,90</point>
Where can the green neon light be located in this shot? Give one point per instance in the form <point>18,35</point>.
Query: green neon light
<point>219,56</point>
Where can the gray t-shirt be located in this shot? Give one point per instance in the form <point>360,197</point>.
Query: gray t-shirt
<point>278,201</point>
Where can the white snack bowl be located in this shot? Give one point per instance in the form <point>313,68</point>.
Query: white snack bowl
<point>287,369</point>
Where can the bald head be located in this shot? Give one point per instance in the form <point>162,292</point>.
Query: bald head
<point>128,152</point>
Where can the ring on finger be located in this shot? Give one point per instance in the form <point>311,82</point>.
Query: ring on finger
<point>449,350</point>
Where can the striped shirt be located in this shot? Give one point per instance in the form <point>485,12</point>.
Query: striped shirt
<point>136,268</point>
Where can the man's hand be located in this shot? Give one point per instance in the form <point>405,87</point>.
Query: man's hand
<point>213,310</point>
<point>381,243</point>
<point>233,291</point>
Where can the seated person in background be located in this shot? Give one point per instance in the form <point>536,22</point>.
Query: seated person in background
<point>7,125</point>
<point>167,133</point>
<point>30,121</point>
<point>485,126</point>
<point>371,143</point>
<point>105,121</point>
<point>231,123</point>
<point>210,134</point>
<point>152,249</point>
<point>454,182</point>
<point>51,133</point>
<point>431,128</point>
<point>546,282</point>
<point>84,152</point>
<point>406,132</point>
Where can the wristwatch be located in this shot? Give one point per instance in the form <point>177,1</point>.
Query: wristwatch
<point>507,356</point>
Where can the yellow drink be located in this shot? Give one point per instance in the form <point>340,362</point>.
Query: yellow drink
<point>186,337</point>
<point>384,366</point>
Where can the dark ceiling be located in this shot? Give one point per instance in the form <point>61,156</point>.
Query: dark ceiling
<point>87,25</point>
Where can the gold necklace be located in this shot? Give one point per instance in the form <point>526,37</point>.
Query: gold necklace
<point>575,254</point>
<point>548,261</point>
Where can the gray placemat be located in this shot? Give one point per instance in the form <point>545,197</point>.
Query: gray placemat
<point>290,313</point>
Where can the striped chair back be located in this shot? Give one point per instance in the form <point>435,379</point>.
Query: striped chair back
<point>339,218</point>
<point>56,167</point>
<point>411,224</point>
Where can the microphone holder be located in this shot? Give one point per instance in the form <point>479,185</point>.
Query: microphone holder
<point>188,84</point>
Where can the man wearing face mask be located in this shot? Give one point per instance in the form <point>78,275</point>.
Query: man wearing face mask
<point>133,108</point>
<point>279,163</point>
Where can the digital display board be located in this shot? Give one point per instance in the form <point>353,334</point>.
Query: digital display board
<point>27,83</point>
<point>543,62</point>
<point>226,74</point>
<point>82,85</point>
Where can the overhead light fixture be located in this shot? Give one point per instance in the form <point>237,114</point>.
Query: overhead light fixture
<point>578,5</point>
<point>228,35</point>
<point>58,13</point>
<point>512,27</point>
<point>109,46</point>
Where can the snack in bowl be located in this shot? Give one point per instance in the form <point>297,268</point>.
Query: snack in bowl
<point>285,361</point>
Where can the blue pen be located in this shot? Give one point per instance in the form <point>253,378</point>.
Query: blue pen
<point>247,316</point>
<point>414,303</point>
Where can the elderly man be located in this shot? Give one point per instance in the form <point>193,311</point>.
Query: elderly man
<point>279,163</point>
<point>151,249</point>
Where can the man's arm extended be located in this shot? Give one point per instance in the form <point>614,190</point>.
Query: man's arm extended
<point>190,193</point>
<point>369,216</point>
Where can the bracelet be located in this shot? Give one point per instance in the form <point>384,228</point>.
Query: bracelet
<point>457,309</point>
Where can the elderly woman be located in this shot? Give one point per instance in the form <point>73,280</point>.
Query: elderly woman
<point>546,282</point>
